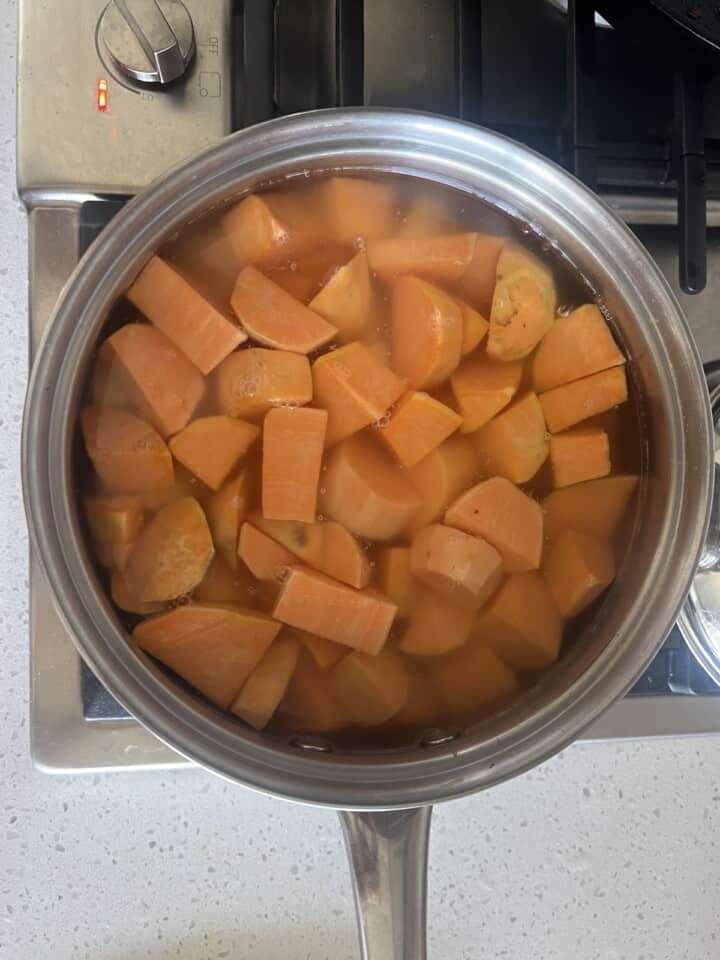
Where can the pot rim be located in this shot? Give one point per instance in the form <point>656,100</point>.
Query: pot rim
<point>521,183</point>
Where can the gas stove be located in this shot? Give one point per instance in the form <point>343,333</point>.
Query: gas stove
<point>111,95</point>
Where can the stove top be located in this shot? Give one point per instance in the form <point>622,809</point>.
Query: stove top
<point>90,88</point>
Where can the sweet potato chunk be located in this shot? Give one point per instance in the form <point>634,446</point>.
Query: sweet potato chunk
<point>521,623</point>
<point>272,317</point>
<point>264,557</point>
<point>304,540</point>
<point>249,382</point>
<point>357,208</point>
<point>523,304</point>
<point>128,454</point>
<point>172,553</point>
<point>475,327</point>
<point>395,579</point>
<point>371,689</point>
<point>477,283</point>
<point>166,386</point>
<point>577,569</point>
<point>344,558</point>
<point>223,584</point>
<point>463,569</point>
<point>309,704</point>
<point>227,508</point>
<point>357,618</point>
<point>255,234</point>
<point>186,318</point>
<point>211,447</point>
<point>355,388</point>
<point>596,507</point>
<point>436,625</point>
<point>427,333</point>
<point>366,492</point>
<point>427,215</point>
<point>441,259</point>
<point>265,687</point>
<point>115,518</point>
<point>125,599</point>
<point>504,516</point>
<point>579,454</point>
<point>440,478</point>
<point>473,679</point>
<point>565,406</point>
<point>293,442</point>
<point>346,300</point>
<point>324,652</point>
<point>416,426</point>
<point>110,384</point>
<point>214,648</point>
<point>575,346</point>
<point>483,387</point>
<point>513,444</point>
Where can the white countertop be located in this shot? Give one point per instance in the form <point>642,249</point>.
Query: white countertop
<point>608,851</point>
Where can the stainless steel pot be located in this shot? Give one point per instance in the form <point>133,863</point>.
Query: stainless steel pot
<point>388,849</point>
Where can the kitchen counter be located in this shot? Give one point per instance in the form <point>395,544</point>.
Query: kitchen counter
<point>607,851</point>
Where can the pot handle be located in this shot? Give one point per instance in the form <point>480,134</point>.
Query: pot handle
<point>388,853</point>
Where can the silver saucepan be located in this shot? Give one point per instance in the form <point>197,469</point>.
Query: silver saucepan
<point>385,796</point>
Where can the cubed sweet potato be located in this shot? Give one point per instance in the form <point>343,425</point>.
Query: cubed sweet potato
<point>310,706</point>
<point>186,318</point>
<point>167,387</point>
<point>355,388</point>
<point>324,652</point>
<point>346,300</point>
<point>395,579</point>
<point>128,454</point>
<point>462,568</point>
<point>371,689</point>
<point>507,518</point>
<point>314,602</point>
<point>596,507</point>
<point>579,454</point>
<point>523,304</point>
<point>441,476</point>
<point>366,492</point>
<point>304,540</point>
<point>266,686</point>
<point>575,346</point>
<point>211,447</point>
<point>256,235</point>
<point>571,403</point>
<point>172,553</point>
<point>213,648</point>
<point>357,209</point>
<point>577,569</point>
<point>249,382</point>
<point>272,317</point>
<point>483,387</point>
<point>227,508</point>
<point>306,274</point>
<point>436,625</point>
<point>477,282</point>
<point>522,623</point>
<point>475,327</point>
<point>441,259</point>
<point>124,598</point>
<point>114,518</point>
<point>293,443</point>
<point>426,332</point>
<point>513,444</point>
<point>264,557</point>
<point>344,558</point>
<point>473,680</point>
<point>416,426</point>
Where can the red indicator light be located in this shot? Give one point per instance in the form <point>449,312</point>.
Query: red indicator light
<point>102,95</point>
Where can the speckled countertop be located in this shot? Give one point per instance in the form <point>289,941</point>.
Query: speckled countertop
<point>608,851</point>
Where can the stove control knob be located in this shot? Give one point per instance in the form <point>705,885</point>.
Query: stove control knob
<point>149,41</point>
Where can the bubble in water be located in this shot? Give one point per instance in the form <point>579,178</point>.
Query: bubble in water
<point>360,243</point>
<point>564,311</point>
<point>293,265</point>
<point>252,590</point>
<point>343,371</point>
<point>237,503</point>
<point>383,420</point>
<point>183,600</point>
<point>320,517</point>
<point>371,563</point>
<point>548,436</point>
<point>281,574</point>
<point>323,490</point>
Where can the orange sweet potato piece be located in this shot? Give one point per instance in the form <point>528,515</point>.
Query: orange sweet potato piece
<point>417,425</point>
<point>272,317</point>
<point>513,444</point>
<point>172,553</point>
<point>477,283</point>
<point>223,584</point>
<point>304,540</point>
<point>523,304</point>
<point>575,346</point>
<point>395,579</point>
<point>167,387</point>
<point>110,385</point>
<point>436,625</point>
<point>422,709</point>
<point>324,652</point>
<point>227,508</point>
<point>475,327</point>
<point>313,602</point>
<point>571,403</point>
<point>441,476</point>
<point>507,518</point>
<point>427,332</point>
<point>293,442</point>
<point>357,208</point>
<point>186,318</point>
<point>114,518</point>
<point>596,507</point>
<point>213,648</point>
<point>428,215</point>
<point>366,492</point>
<point>371,689</point>
<point>265,687</point>
<point>346,300</point>
<point>308,272</point>
<point>462,568</point>
<point>310,705</point>
<point>255,234</point>
<point>355,388</point>
<point>249,382</point>
<point>441,259</point>
<point>264,557</point>
<point>211,447</point>
<point>344,558</point>
<point>483,387</point>
<point>473,679</point>
<point>128,454</point>
<point>125,599</point>
<point>579,454</point>
<point>521,623</point>
<point>577,569</point>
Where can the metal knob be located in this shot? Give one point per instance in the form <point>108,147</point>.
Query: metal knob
<point>150,41</point>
